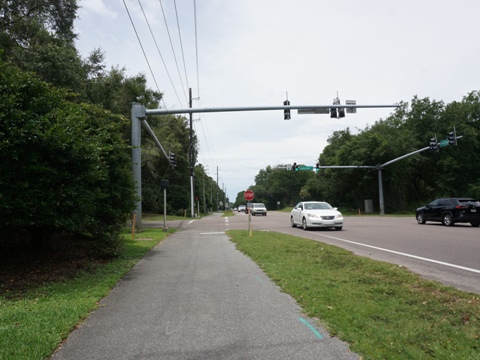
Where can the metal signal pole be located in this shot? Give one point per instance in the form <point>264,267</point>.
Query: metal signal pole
<point>191,155</point>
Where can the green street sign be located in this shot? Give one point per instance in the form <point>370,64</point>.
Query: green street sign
<point>443,143</point>
<point>305,168</point>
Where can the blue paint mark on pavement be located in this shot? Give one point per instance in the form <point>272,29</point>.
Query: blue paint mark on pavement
<point>307,324</point>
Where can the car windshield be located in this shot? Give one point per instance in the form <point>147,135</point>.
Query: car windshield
<point>258,205</point>
<point>317,206</point>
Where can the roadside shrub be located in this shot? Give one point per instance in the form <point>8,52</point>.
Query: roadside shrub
<point>65,166</point>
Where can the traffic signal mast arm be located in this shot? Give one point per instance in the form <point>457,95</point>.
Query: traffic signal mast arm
<point>149,130</point>
<point>261,108</point>
<point>380,165</point>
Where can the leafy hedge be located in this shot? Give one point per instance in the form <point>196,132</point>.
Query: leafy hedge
<point>65,166</point>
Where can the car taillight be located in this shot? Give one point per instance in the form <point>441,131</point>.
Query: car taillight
<point>461,207</point>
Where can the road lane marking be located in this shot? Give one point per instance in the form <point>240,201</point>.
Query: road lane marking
<point>404,254</point>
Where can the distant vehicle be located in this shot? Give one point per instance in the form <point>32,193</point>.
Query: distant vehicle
<point>450,211</point>
<point>316,214</point>
<point>241,208</point>
<point>258,209</point>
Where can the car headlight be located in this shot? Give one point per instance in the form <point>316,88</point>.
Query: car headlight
<point>315,216</point>
<point>339,216</point>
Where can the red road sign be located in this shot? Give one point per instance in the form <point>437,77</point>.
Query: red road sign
<point>248,195</point>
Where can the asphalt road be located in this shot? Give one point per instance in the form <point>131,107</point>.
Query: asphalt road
<point>195,296</point>
<point>450,255</point>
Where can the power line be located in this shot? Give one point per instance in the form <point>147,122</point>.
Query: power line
<point>173,50</point>
<point>159,52</point>
<point>143,50</point>
<point>196,45</point>
<point>181,43</point>
<point>203,123</point>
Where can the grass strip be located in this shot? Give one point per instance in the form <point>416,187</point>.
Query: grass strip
<point>382,310</point>
<point>33,324</point>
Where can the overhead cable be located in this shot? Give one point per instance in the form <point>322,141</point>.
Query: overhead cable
<point>159,52</point>
<point>181,43</point>
<point>173,50</point>
<point>144,54</point>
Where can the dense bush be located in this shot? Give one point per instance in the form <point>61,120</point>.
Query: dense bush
<point>65,166</point>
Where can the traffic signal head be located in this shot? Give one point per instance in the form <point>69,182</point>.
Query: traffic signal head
<point>433,144</point>
<point>173,159</point>
<point>294,166</point>
<point>333,113</point>
<point>341,113</point>
<point>452,138</point>
<point>286,112</point>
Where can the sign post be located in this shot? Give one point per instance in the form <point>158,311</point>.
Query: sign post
<point>249,195</point>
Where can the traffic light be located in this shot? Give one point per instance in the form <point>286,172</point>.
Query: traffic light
<point>341,113</point>
<point>434,143</point>
<point>317,166</point>
<point>333,113</point>
<point>294,166</point>
<point>452,138</point>
<point>173,159</point>
<point>286,112</point>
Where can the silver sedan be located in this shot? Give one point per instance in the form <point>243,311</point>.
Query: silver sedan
<point>316,214</point>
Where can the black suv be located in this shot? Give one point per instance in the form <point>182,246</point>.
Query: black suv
<point>450,211</point>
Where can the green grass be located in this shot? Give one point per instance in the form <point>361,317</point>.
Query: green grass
<point>159,217</point>
<point>382,310</point>
<point>228,213</point>
<point>34,322</point>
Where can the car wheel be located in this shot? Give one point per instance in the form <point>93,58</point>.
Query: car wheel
<point>292,222</point>
<point>421,218</point>
<point>448,219</point>
<point>475,223</point>
<point>338,228</point>
<point>304,224</point>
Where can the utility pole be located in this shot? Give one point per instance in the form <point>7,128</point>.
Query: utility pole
<point>217,189</point>
<point>225,197</point>
<point>191,155</point>
<point>204,198</point>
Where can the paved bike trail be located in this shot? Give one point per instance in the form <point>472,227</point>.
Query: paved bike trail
<point>194,296</point>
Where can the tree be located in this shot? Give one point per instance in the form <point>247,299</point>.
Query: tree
<point>66,168</point>
<point>38,36</point>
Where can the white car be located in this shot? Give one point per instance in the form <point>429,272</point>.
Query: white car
<point>316,214</point>
<point>258,209</point>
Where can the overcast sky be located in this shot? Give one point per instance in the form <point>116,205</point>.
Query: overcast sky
<point>244,53</point>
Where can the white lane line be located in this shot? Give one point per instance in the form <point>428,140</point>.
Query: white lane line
<point>404,254</point>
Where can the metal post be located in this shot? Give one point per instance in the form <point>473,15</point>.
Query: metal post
<point>380,192</point>
<point>204,198</point>
<point>137,115</point>
<point>217,189</point>
<point>165,209</point>
<point>192,205</point>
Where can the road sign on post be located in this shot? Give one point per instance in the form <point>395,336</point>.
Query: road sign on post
<point>248,195</point>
